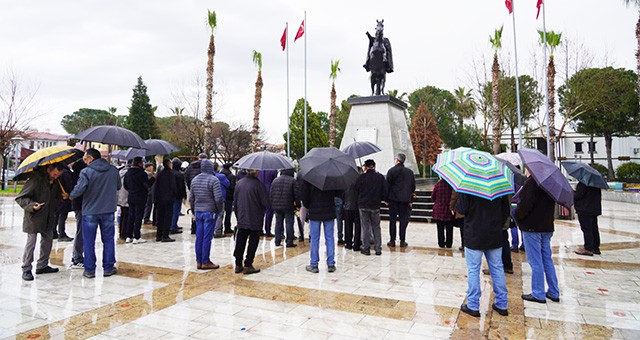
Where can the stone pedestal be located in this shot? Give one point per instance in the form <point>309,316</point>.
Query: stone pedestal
<point>380,120</point>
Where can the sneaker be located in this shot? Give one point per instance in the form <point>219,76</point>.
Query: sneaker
<point>79,265</point>
<point>465,309</point>
<point>250,270</point>
<point>27,276</point>
<point>500,311</point>
<point>139,240</point>
<point>331,268</point>
<point>128,240</point>
<point>89,275</point>
<point>47,270</point>
<point>108,273</point>
<point>312,269</point>
<point>584,252</point>
<point>403,244</point>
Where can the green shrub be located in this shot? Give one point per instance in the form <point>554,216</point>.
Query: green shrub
<point>629,172</point>
<point>601,169</point>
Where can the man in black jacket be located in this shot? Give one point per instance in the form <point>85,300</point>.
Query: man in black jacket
<point>193,169</point>
<point>588,203</point>
<point>284,202</point>
<point>402,188</point>
<point>165,195</point>
<point>372,190</point>
<point>321,208</point>
<point>137,183</point>
<point>181,192</point>
<point>228,203</point>
<point>77,259</point>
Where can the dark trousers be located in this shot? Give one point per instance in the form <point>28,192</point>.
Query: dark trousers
<point>241,243</point>
<point>268,219</point>
<point>62,220</point>
<point>124,222</point>
<point>134,221</point>
<point>228,208</point>
<point>506,251</point>
<point>148,207</point>
<point>352,229</point>
<point>445,233</point>
<point>589,226</point>
<point>300,227</point>
<point>459,223</point>
<point>284,221</point>
<point>398,211</point>
<point>164,215</point>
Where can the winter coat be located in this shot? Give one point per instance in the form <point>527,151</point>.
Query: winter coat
<point>76,204</point>
<point>123,195</point>
<point>483,220</point>
<point>250,201</point>
<point>38,190</point>
<point>165,189</point>
<point>98,184</point>
<point>137,182</point>
<point>206,193</point>
<point>180,185</point>
<point>372,189</point>
<point>452,205</point>
<point>535,208</point>
<point>402,183</point>
<point>321,205</point>
<point>191,172</point>
<point>587,200</point>
<point>224,184</point>
<point>350,198</point>
<point>283,192</point>
<point>232,184</point>
<point>441,196</point>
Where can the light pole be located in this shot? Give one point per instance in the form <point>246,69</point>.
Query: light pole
<point>17,140</point>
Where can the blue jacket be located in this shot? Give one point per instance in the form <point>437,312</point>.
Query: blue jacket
<point>98,185</point>
<point>224,183</point>
<point>206,194</point>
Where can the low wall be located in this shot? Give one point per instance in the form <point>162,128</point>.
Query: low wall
<point>621,196</point>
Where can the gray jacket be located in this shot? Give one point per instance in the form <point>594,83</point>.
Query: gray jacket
<point>206,192</point>
<point>98,185</point>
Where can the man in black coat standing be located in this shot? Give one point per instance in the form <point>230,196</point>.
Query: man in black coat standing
<point>372,190</point>
<point>228,203</point>
<point>588,203</point>
<point>402,189</point>
<point>137,183</point>
<point>165,195</point>
<point>284,201</point>
<point>181,194</point>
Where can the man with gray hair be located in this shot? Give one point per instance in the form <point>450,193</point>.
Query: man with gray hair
<point>402,188</point>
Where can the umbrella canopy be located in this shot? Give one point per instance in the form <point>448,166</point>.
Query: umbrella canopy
<point>53,154</point>
<point>518,176</point>
<point>510,157</point>
<point>128,154</point>
<point>328,169</point>
<point>264,160</point>
<point>110,134</point>
<point>548,176</point>
<point>474,172</point>
<point>159,147</point>
<point>585,174</point>
<point>360,149</point>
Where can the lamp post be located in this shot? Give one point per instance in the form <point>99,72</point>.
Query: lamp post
<point>17,140</point>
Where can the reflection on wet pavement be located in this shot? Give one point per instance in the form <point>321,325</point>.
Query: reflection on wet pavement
<point>412,292</point>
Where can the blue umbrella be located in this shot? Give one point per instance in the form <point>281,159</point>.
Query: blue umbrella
<point>548,176</point>
<point>585,174</point>
<point>128,154</point>
<point>263,160</point>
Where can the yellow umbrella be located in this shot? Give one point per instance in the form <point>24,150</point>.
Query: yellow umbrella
<point>46,156</point>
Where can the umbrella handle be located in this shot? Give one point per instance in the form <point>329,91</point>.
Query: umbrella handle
<point>61,188</point>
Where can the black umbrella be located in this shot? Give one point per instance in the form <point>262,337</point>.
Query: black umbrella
<point>113,135</point>
<point>585,174</point>
<point>360,149</point>
<point>264,160</point>
<point>128,154</point>
<point>159,147</point>
<point>328,169</point>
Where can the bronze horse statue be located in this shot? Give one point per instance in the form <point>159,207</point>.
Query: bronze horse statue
<point>379,59</point>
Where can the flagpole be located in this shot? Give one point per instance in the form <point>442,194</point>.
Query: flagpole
<point>305,82</point>
<point>515,48</point>
<point>546,78</point>
<point>286,30</point>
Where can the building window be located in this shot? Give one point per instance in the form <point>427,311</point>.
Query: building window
<point>31,145</point>
<point>578,146</point>
<point>592,147</point>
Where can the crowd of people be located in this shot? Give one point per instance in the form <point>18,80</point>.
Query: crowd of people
<point>93,189</point>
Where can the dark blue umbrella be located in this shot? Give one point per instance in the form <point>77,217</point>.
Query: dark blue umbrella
<point>159,147</point>
<point>548,176</point>
<point>113,135</point>
<point>128,154</point>
<point>328,169</point>
<point>360,149</point>
<point>264,160</point>
<point>585,174</point>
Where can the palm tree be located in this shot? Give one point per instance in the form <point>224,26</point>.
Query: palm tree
<point>553,41</point>
<point>335,68</point>
<point>211,52</point>
<point>395,93</point>
<point>466,105</point>
<point>636,3</point>
<point>496,43</point>
<point>257,60</point>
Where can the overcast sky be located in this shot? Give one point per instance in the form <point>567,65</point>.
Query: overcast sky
<point>89,53</point>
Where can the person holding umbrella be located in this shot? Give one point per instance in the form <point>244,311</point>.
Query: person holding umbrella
<point>588,203</point>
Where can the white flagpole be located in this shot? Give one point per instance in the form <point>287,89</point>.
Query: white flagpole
<point>305,82</point>
<point>515,48</point>
<point>286,30</point>
<point>546,78</point>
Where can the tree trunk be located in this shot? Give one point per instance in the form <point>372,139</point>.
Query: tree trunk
<point>256,113</point>
<point>208,116</point>
<point>551,76</point>
<point>425,163</point>
<point>332,116</point>
<point>607,144</point>
<point>513,141</point>
<point>495,104</point>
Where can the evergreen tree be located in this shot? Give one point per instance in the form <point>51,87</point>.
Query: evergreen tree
<point>141,118</point>
<point>317,137</point>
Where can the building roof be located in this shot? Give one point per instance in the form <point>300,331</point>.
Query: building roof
<point>45,135</point>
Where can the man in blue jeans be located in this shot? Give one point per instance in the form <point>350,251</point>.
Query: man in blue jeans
<point>98,185</point>
<point>206,201</point>
<point>483,222</point>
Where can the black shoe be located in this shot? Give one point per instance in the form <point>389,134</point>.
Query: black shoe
<point>147,222</point>
<point>340,242</point>
<point>331,268</point>
<point>47,270</point>
<point>486,272</point>
<point>379,252</point>
<point>55,236</point>
<point>469,311</point>
<point>292,245</point>
<point>357,249</point>
<point>65,238</point>
<point>521,248</point>
<point>552,298</point>
<point>391,244</point>
<point>218,236</point>
<point>348,246</point>
<point>365,252</point>
<point>89,275</point>
<point>461,248</point>
<point>403,244</point>
<point>500,311</point>
<point>238,269</point>
<point>193,231</point>
<point>530,297</point>
<point>597,252</point>
<point>228,231</point>
<point>27,276</point>
<point>108,273</point>
<point>269,235</point>
<point>301,239</point>
<point>167,239</point>
<point>508,271</point>
<point>250,270</point>
<point>172,232</point>
<point>278,244</point>
<point>312,269</point>
<point>515,250</point>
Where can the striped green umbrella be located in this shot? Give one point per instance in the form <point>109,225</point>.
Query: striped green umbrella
<point>474,172</point>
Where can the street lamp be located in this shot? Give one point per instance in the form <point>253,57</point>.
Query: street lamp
<point>17,140</point>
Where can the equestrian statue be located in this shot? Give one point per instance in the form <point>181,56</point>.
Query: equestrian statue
<point>379,59</point>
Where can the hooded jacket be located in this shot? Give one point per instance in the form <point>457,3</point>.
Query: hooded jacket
<point>98,185</point>
<point>206,192</point>
<point>137,183</point>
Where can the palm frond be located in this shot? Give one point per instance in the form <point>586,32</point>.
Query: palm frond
<point>213,21</point>
<point>257,59</point>
<point>553,39</point>
<point>496,39</point>
<point>335,68</point>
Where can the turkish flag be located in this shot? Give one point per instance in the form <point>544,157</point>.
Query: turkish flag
<point>509,5</point>
<point>300,31</point>
<point>283,40</point>
<point>538,5</point>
